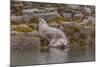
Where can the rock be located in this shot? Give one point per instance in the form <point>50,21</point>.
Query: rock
<point>35,34</point>
<point>24,42</point>
<point>22,28</point>
<point>87,9</point>
<point>73,6</point>
<point>16,18</point>
<point>53,24</point>
<point>70,24</point>
<point>86,30</point>
<point>68,15</point>
<point>90,20</point>
<point>47,13</point>
<point>78,15</point>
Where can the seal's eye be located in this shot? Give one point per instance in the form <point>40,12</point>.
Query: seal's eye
<point>65,42</point>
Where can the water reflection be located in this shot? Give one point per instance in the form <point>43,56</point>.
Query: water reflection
<point>54,55</point>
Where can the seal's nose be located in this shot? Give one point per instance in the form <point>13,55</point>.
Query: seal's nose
<point>40,19</point>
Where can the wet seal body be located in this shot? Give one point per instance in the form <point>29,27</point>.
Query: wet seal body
<point>54,36</point>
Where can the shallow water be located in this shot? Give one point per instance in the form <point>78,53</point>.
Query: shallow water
<point>54,55</point>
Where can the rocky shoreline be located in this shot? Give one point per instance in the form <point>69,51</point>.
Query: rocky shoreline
<point>77,22</point>
<point>24,40</point>
<point>76,33</point>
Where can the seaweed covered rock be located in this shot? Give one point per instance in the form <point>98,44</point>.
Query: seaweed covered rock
<point>22,28</point>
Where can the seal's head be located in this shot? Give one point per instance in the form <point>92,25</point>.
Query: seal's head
<point>62,43</point>
<point>42,25</point>
<point>42,21</point>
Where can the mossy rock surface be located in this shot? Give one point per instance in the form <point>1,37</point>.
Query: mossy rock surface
<point>22,28</point>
